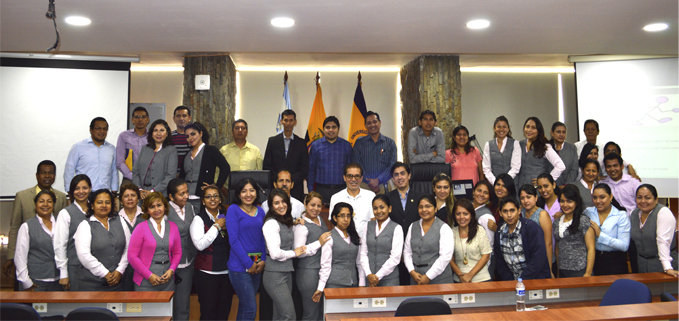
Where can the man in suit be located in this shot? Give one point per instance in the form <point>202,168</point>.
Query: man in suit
<point>24,208</point>
<point>288,151</point>
<point>403,207</point>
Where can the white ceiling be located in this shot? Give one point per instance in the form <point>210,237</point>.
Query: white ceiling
<point>346,32</point>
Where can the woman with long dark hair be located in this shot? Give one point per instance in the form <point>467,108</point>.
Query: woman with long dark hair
<point>567,151</point>
<point>382,246</point>
<point>528,197</point>
<point>502,154</point>
<point>465,160</point>
<point>589,151</point>
<point>611,227</point>
<point>575,243</point>
<point>472,248</point>
<point>549,195</point>
<point>483,197</point>
<point>537,155</point>
<point>442,188</point>
<point>590,176</point>
<point>156,164</point>
<point>503,187</point>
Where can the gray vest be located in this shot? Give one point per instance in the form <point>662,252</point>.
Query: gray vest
<point>184,226</point>
<point>343,261</point>
<point>286,245</point>
<point>501,163</point>
<point>107,247</point>
<point>41,264</point>
<point>162,253</point>
<point>645,241</point>
<point>76,217</point>
<point>426,250</point>
<point>315,231</point>
<point>192,169</point>
<point>531,166</point>
<point>379,247</point>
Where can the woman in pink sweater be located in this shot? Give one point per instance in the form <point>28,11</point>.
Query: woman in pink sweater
<point>155,247</point>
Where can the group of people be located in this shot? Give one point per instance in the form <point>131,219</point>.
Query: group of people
<point>175,229</point>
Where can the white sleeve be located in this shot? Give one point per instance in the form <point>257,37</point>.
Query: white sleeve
<point>394,254</point>
<point>61,242</point>
<point>21,256</point>
<point>446,248</point>
<point>326,265</point>
<point>83,238</point>
<point>202,240</point>
<point>664,231</point>
<point>272,236</point>
<point>301,233</point>
<point>408,252</point>
<point>361,274</point>
<point>483,221</point>
<point>487,169</point>
<point>363,253</point>
<point>123,261</point>
<point>556,161</point>
<point>516,160</point>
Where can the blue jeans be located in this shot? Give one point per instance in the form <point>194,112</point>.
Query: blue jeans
<point>246,286</point>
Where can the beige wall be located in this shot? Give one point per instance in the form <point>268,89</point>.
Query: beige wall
<point>158,87</point>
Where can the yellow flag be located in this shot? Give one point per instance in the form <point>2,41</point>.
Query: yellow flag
<point>314,130</point>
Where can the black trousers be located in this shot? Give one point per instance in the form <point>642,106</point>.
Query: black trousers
<point>609,263</point>
<point>215,294</point>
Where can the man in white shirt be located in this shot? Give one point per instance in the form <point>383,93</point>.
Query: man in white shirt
<point>591,131</point>
<point>360,199</point>
<point>284,182</point>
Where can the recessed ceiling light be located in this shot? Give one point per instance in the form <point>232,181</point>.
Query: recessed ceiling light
<point>478,24</point>
<point>282,22</point>
<point>656,27</point>
<point>62,56</point>
<point>78,21</point>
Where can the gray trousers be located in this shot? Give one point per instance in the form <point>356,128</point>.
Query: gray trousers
<point>47,286</point>
<point>73,271</point>
<point>279,287</point>
<point>307,282</point>
<point>182,294</point>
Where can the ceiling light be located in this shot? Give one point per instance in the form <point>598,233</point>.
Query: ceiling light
<point>78,21</point>
<point>282,22</point>
<point>62,56</point>
<point>478,24</point>
<point>656,27</point>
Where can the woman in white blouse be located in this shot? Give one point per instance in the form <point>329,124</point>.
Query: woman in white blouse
<point>104,257</point>
<point>428,246</point>
<point>381,246</point>
<point>472,248</point>
<point>502,154</point>
<point>537,155</point>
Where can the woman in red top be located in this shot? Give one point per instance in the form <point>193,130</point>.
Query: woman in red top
<point>465,160</point>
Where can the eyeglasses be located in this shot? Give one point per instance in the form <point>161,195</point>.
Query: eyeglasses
<point>140,116</point>
<point>212,197</point>
<point>350,177</point>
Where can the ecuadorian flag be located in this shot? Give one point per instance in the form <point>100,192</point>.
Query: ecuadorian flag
<point>358,111</point>
<point>314,130</point>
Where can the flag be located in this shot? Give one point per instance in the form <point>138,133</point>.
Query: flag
<point>285,104</point>
<point>358,111</point>
<point>314,130</point>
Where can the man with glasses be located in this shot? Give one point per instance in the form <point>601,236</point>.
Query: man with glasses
<point>94,157</point>
<point>241,155</point>
<point>130,143</point>
<point>376,153</point>
<point>360,199</point>
<point>181,118</point>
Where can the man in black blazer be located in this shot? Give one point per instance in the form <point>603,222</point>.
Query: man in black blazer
<point>403,215</point>
<point>288,151</point>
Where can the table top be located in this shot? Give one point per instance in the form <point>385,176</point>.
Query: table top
<point>94,297</point>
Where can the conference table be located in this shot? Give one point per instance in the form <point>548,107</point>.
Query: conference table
<point>496,300</point>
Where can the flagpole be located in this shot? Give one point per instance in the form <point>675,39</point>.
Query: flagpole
<point>318,79</point>
<point>359,79</point>
<point>285,78</point>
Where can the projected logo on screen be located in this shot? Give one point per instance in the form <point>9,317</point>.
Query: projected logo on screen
<point>656,114</point>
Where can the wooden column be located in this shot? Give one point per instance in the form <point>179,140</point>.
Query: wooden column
<point>431,82</point>
<point>215,108</point>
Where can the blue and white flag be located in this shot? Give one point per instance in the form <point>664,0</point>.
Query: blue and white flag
<point>285,104</point>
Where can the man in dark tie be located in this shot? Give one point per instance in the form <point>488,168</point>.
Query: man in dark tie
<point>288,151</point>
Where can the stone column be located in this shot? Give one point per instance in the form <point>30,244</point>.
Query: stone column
<point>431,82</point>
<point>215,108</point>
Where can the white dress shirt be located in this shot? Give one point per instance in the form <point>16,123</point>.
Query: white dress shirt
<point>446,249</point>
<point>664,232</point>
<point>394,254</point>
<point>83,240</point>
<point>362,204</point>
<point>272,236</point>
<point>162,226</point>
<point>297,207</point>
<point>21,253</point>
<point>127,219</point>
<point>301,232</point>
<point>515,160</point>
<point>61,240</point>
<point>201,239</point>
<point>326,262</point>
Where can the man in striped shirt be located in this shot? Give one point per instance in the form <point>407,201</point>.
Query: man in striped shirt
<point>182,117</point>
<point>376,153</point>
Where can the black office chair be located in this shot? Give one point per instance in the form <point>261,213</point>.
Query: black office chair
<point>262,178</point>
<point>421,175</point>
<point>666,297</point>
<point>18,311</point>
<point>91,314</point>
<point>422,306</point>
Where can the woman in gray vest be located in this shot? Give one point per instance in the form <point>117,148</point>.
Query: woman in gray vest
<point>278,235</point>
<point>182,214</point>
<point>653,233</point>
<point>156,164</point>
<point>502,154</point>
<point>339,256</point>
<point>131,213</point>
<point>313,233</point>
<point>104,257</point>
<point>537,155</point>
<point>567,151</point>
<point>68,221</point>
<point>590,177</point>
<point>611,226</point>
<point>382,246</point>
<point>442,188</point>
<point>36,269</point>
<point>472,248</point>
<point>429,246</point>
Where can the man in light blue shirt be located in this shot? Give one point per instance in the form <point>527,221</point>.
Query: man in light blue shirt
<point>94,157</point>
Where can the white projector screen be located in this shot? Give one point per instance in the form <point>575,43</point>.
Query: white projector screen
<point>636,103</point>
<point>46,107</point>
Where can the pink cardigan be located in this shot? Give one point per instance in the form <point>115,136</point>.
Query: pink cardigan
<point>143,246</point>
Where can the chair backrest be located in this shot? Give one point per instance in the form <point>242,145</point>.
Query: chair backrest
<point>262,178</point>
<point>624,291</point>
<point>91,314</point>
<point>18,311</point>
<point>421,175</point>
<point>422,306</point>
<point>666,297</point>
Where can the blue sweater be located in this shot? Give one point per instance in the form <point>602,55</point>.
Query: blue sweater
<point>245,236</point>
<point>533,249</point>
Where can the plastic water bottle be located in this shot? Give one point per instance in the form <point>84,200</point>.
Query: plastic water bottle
<point>520,296</point>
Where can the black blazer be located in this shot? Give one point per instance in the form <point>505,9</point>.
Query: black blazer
<point>297,161</point>
<point>410,215</point>
<point>212,159</point>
